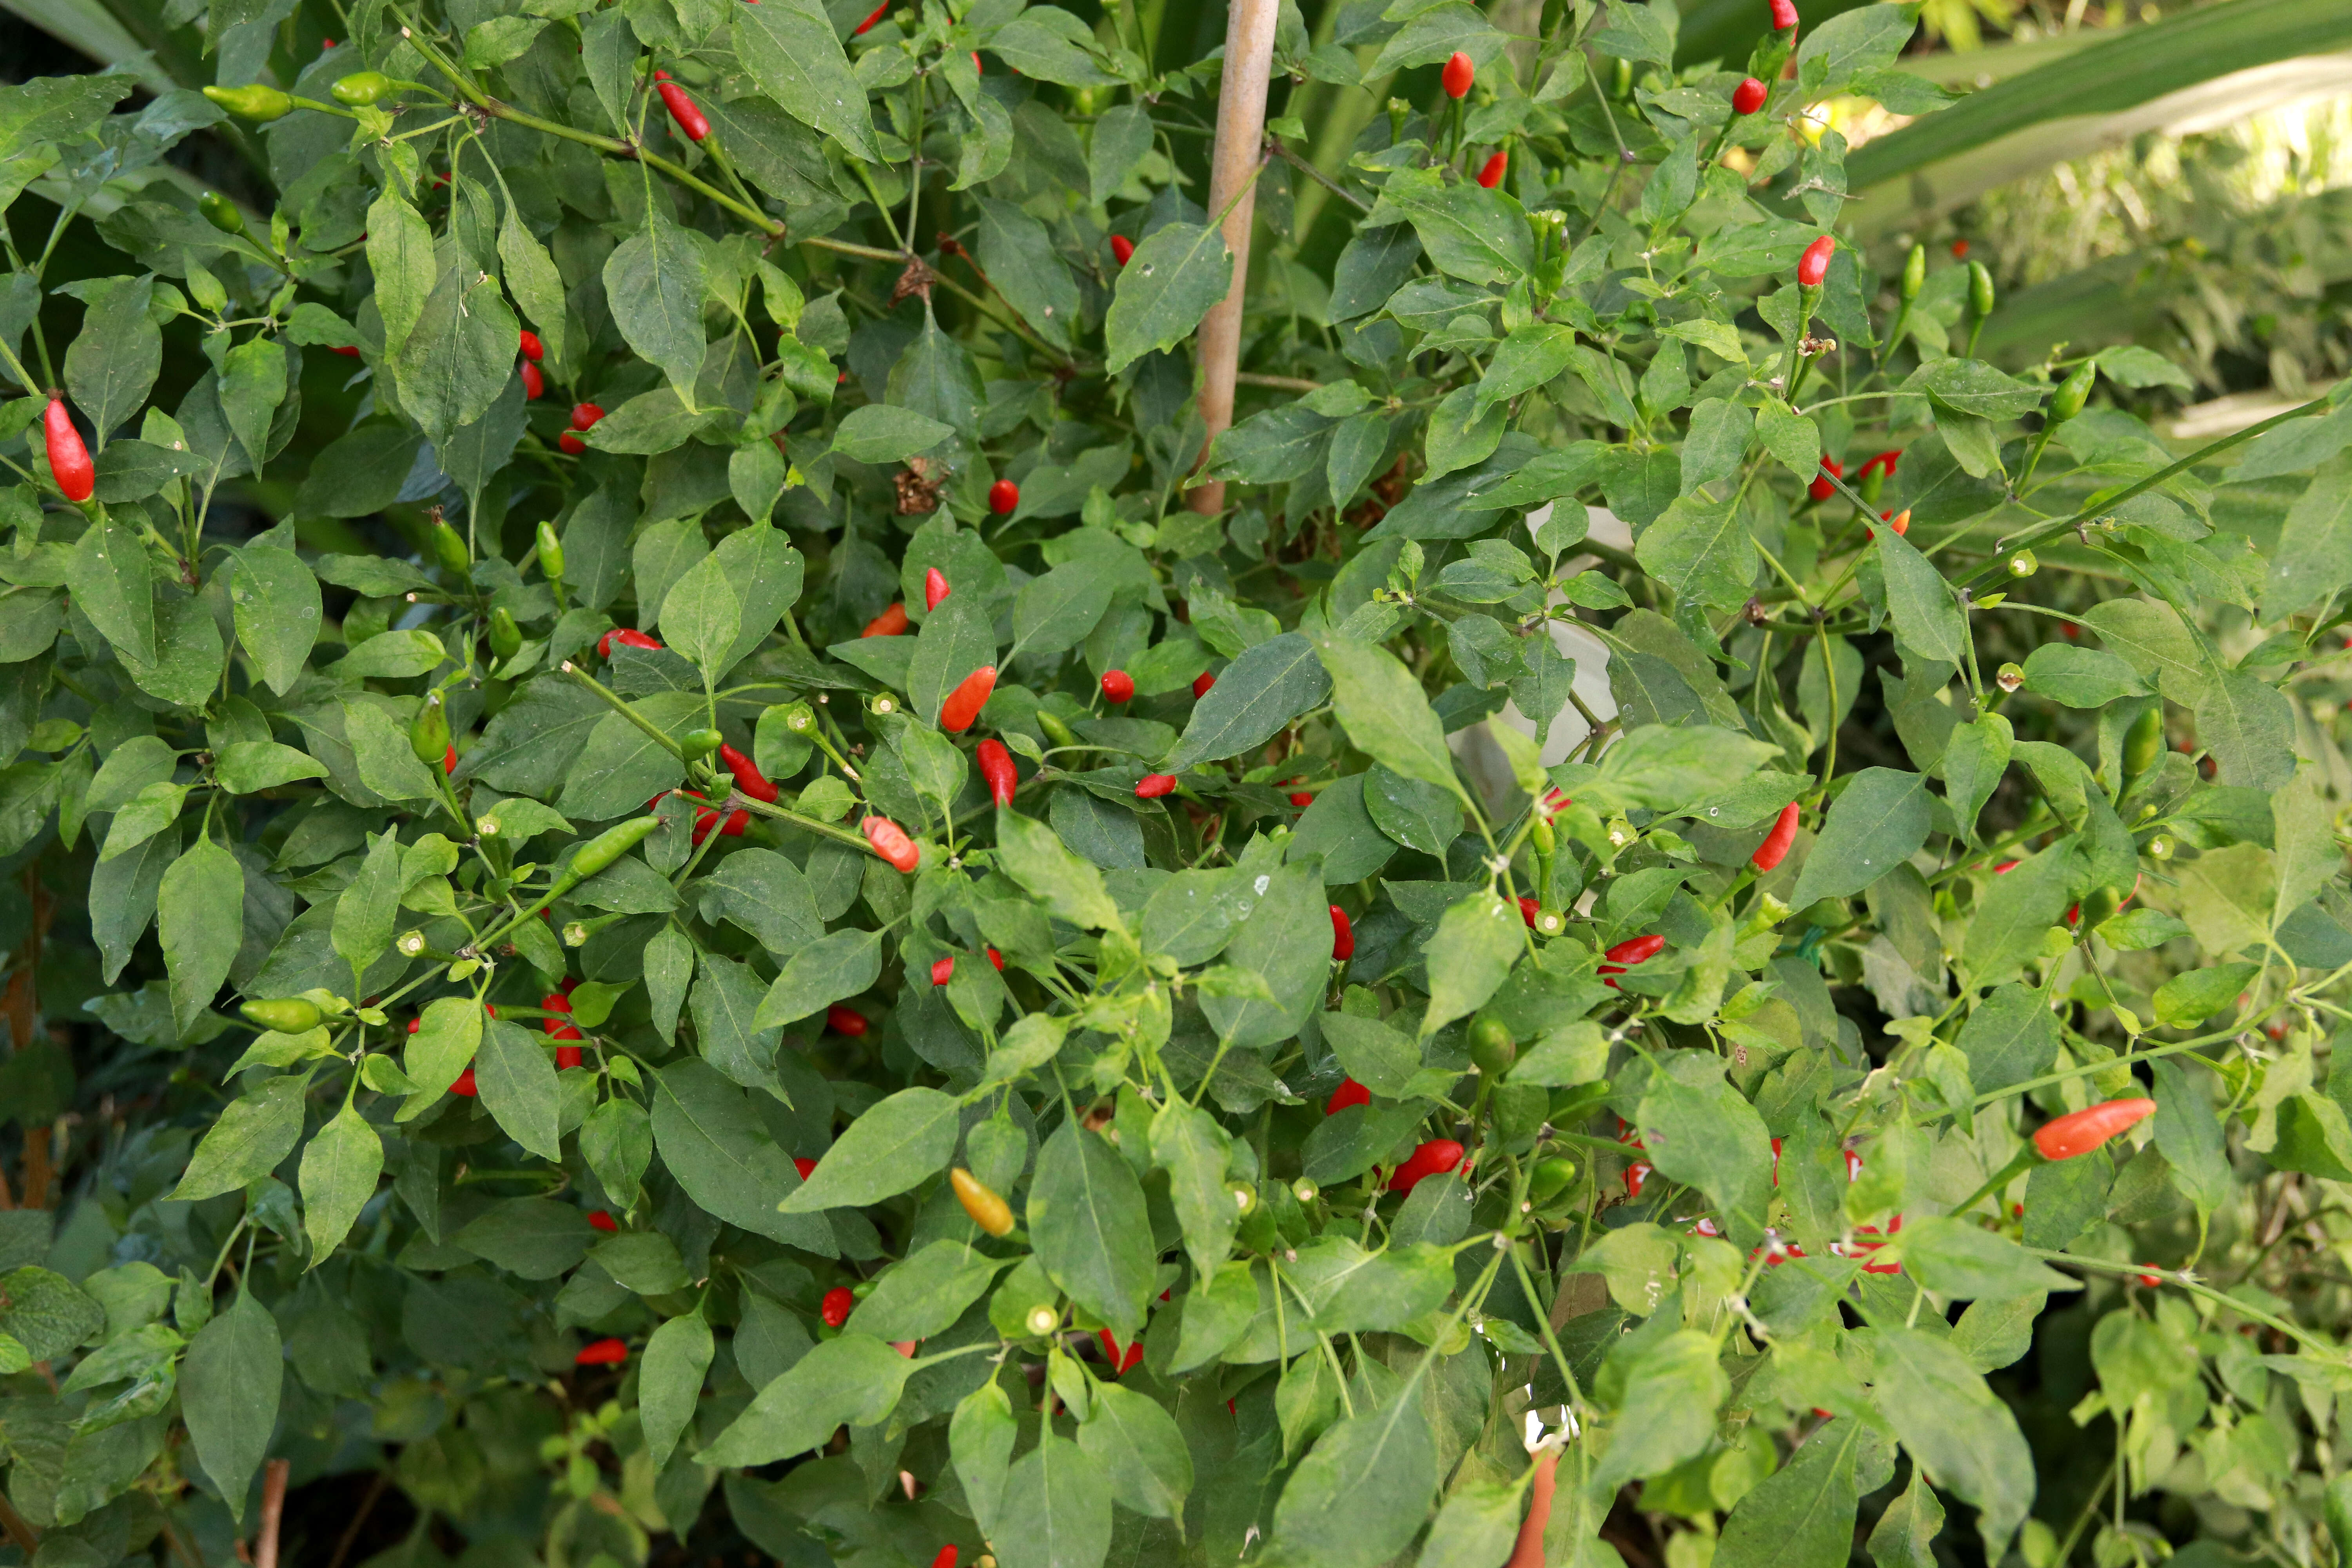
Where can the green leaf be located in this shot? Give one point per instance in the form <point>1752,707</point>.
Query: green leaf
<point>1476,941</point>
<point>880,433</point>
<point>1088,1223</point>
<point>1957,1259</point>
<point>1141,1452</point>
<point>113,584</point>
<point>654,282</point>
<point>339,1172</point>
<point>723,1155</point>
<point>252,385</point>
<point>1955,1428</point>
<point>1925,619</point>
<point>199,915</point>
<point>1471,233</point>
<point>1254,697</point>
<point>833,967</point>
<point>1057,1508</point>
<point>793,52</point>
<point>2080,676</point>
<point>2014,912</point>
<point>1018,254</point>
<point>902,1140</point>
<point>852,1380</point>
<point>1033,855</point>
<point>1363,1491</point>
<point>1700,1131</point>
<point>1972,386</point>
<point>1286,943</point>
<point>669,1381</point>
<point>1385,713</point>
<point>255,1132</point>
<point>517,1080</point>
<point>278,611</point>
<point>229,1387</point>
<point>1700,550</point>
<point>115,357</point>
<point>1905,1533</point>
<point>1188,1143</point>
<point>2192,997</point>
<point>925,1294</point>
<point>1881,819</point>
<point>1166,287</point>
<point>460,356</point>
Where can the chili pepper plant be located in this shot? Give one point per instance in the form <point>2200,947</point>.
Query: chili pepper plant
<point>674,900</point>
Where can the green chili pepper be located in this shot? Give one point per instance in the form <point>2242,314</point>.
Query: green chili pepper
<point>506,637</point>
<point>700,743</point>
<point>1491,1046</point>
<point>1061,734</point>
<point>428,733</point>
<point>285,1015</point>
<point>1915,273</point>
<point>2073,393</point>
<point>1549,1179</point>
<point>602,850</point>
<point>1980,296</point>
<point>255,101</point>
<point>2143,742</point>
<point>362,88</point>
<point>449,549</point>
<point>550,551</point>
<point>221,213</point>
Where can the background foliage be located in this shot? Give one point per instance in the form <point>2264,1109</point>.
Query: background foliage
<point>1714,1236</point>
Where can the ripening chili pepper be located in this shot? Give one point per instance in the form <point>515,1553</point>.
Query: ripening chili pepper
<point>1120,1360</point>
<point>1433,1158</point>
<point>844,1020</point>
<point>942,971</point>
<point>70,462</point>
<point>1775,848</point>
<point>627,638</point>
<point>284,1015</point>
<point>2080,1131</point>
<point>996,769</point>
<point>964,703</point>
<point>1815,265</point>
<point>449,760</point>
<point>879,12</point>
<point>1121,249</point>
<point>1822,488</point>
<point>1784,14</point>
<point>1201,684</point>
<point>891,843</point>
<point>1496,167</point>
<point>935,588</point>
<point>531,348</point>
<point>1749,97</point>
<point>585,414</point>
<point>346,349</point>
<point>839,1302</point>
<point>690,119</point>
<point>1459,73</point>
<point>602,1353</point>
<point>465,1085</point>
<point>988,1211</point>
<point>599,1220</point>
<point>890,622</point>
<point>1900,522</point>
<point>1350,1092</point>
<point>1151,786</point>
<point>1118,686</point>
<point>1343,936</point>
<point>1527,1551</point>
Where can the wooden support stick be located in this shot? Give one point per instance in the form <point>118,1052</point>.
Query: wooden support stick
<point>1240,152</point>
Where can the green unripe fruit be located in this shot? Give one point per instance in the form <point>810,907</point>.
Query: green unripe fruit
<point>221,213</point>
<point>428,733</point>
<point>2024,564</point>
<point>449,549</point>
<point>361,88</point>
<point>799,718</point>
<point>506,637</point>
<point>700,743</point>
<point>1915,273</point>
<point>1058,733</point>
<point>2073,393</point>
<point>1543,838</point>
<point>1549,1179</point>
<point>2160,847</point>
<point>255,101</point>
<point>2143,742</point>
<point>285,1015</point>
<point>1980,295</point>
<point>1492,1048</point>
<point>2009,677</point>
<point>1621,79</point>
<point>550,551</point>
<point>1872,480</point>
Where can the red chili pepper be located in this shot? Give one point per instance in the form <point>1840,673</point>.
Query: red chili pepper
<point>1749,97</point>
<point>1459,73</point>
<point>1821,488</point>
<point>1784,14</point>
<point>935,588</point>
<point>465,1085</point>
<point>534,385</point>
<point>1527,1552</point>
<point>1496,167</point>
<point>70,462</point>
<point>1529,910</point>
<point>996,768</point>
<point>946,1559</point>
<point>1118,686</point>
<point>997,959</point>
<point>1121,249</point>
<point>2005,868</point>
<point>890,622</point>
<point>532,349</point>
<point>1883,462</point>
<point>585,414</point>
<point>1959,250</point>
<point>705,819</point>
<point>627,638</point>
<point>844,1020</point>
<point>2080,1131</point>
<point>964,703</point>
<point>1637,948</point>
<point>2151,1280</point>
<point>879,12</point>
<point>602,1353</point>
<point>1635,1175</point>
<point>839,1302</point>
<point>1002,497</point>
<point>1151,786</point>
<point>748,776</point>
<point>599,1220</point>
<point>806,1166</point>
<point>1120,1362</point>
<point>1775,848</point>
<point>1302,798</point>
<point>1815,265</point>
<point>554,1001</point>
<point>942,971</point>
<point>689,119</point>
<point>568,1056</point>
<point>449,760</point>
<point>1900,521</point>
<point>890,842</point>
<point>346,349</point>
<point>1343,936</point>
<point>1201,684</point>
<point>1349,1093</point>
<point>1433,1158</point>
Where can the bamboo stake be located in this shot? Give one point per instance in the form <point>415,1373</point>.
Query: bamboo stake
<point>1240,152</point>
